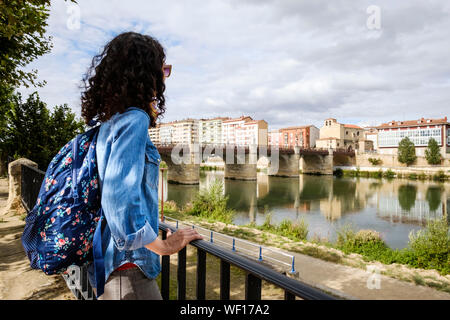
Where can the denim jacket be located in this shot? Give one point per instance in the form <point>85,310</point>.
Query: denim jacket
<point>128,165</point>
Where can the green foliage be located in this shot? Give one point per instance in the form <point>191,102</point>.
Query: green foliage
<point>440,176</point>
<point>433,153</point>
<point>429,248</point>
<point>30,130</point>
<point>294,231</point>
<point>413,176</point>
<point>211,204</point>
<point>338,172</point>
<point>389,174</point>
<point>406,151</point>
<point>22,37</point>
<point>375,161</point>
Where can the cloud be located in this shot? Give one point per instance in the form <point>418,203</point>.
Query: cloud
<point>288,62</point>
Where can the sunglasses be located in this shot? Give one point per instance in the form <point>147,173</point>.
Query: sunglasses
<point>167,70</point>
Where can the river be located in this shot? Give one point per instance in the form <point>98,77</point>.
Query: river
<point>392,207</point>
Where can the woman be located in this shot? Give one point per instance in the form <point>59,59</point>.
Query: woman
<point>124,90</point>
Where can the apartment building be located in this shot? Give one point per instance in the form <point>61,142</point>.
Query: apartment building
<point>418,131</point>
<point>244,131</point>
<point>301,136</point>
<point>165,133</point>
<point>210,130</point>
<point>154,134</point>
<point>337,135</point>
<point>184,131</point>
<point>274,137</point>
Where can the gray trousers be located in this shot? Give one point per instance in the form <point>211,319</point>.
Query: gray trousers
<point>130,284</point>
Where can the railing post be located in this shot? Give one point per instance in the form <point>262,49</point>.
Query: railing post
<point>224,280</point>
<point>201,274</point>
<point>165,273</point>
<point>252,287</point>
<point>181,274</point>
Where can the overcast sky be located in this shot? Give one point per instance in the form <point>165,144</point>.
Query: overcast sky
<point>289,62</point>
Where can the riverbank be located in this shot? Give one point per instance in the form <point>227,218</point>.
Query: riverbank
<point>412,173</point>
<point>324,266</point>
<point>17,280</point>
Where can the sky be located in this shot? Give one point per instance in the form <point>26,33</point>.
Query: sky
<point>288,62</point>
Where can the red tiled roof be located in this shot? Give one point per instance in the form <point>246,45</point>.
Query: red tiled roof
<point>352,126</point>
<point>239,119</point>
<point>413,123</point>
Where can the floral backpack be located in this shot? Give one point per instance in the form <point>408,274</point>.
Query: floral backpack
<point>59,230</point>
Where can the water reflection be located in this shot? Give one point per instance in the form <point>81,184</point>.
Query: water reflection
<point>407,196</point>
<point>393,208</point>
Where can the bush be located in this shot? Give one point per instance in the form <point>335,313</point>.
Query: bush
<point>440,176</point>
<point>376,174</point>
<point>389,174</point>
<point>430,246</point>
<point>338,172</point>
<point>422,176</point>
<point>375,161</point>
<point>412,176</point>
<point>211,204</point>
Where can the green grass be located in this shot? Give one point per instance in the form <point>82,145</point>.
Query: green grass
<point>294,231</point>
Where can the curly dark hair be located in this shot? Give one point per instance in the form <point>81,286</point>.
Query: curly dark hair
<point>128,73</point>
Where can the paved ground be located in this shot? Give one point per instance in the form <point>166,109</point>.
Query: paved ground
<point>17,280</point>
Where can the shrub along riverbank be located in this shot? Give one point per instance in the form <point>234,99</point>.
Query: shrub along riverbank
<point>389,174</point>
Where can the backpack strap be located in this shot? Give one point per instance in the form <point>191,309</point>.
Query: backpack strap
<point>99,262</point>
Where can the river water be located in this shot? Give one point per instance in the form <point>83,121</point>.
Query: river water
<point>392,207</point>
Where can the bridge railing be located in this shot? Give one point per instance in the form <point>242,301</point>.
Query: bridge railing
<point>255,271</point>
<point>280,149</point>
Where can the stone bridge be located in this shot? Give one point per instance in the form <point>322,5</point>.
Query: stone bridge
<point>184,161</point>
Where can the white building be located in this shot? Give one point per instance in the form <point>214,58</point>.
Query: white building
<point>185,131</point>
<point>154,134</point>
<point>165,133</point>
<point>244,131</point>
<point>210,130</point>
<point>418,131</point>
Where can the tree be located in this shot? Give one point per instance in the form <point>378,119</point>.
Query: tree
<point>31,131</point>
<point>22,39</point>
<point>63,126</point>
<point>406,151</point>
<point>433,153</point>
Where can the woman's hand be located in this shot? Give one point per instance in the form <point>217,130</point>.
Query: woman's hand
<point>174,241</point>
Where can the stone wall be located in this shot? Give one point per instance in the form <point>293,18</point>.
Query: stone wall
<point>15,182</point>
<point>391,161</point>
